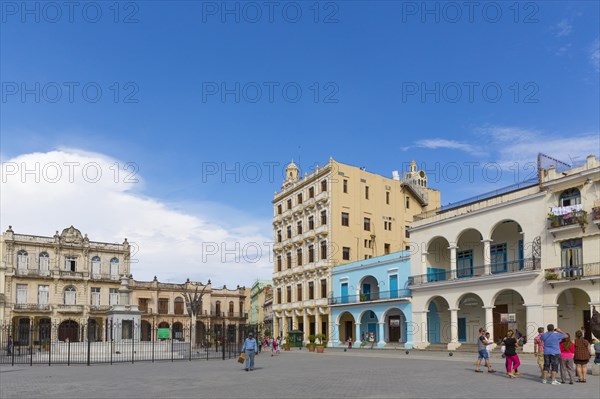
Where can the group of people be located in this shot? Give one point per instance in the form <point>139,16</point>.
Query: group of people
<point>252,347</point>
<point>554,349</point>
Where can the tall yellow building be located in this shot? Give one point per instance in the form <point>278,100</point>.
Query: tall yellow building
<point>337,214</point>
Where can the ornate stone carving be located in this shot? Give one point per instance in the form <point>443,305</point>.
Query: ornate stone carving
<point>71,236</point>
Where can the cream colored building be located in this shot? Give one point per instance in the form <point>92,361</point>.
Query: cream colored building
<point>517,258</point>
<point>337,214</point>
<point>59,280</point>
<point>163,305</point>
<point>258,293</point>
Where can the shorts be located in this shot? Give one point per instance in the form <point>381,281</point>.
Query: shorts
<point>580,362</point>
<point>540,359</point>
<point>483,354</point>
<point>551,362</point>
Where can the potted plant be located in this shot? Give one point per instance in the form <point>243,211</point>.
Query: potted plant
<point>363,297</point>
<point>287,346</point>
<point>596,212</point>
<point>551,274</point>
<point>321,345</point>
<point>554,220</point>
<point>311,343</point>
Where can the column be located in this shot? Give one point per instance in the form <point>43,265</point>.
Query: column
<point>317,322</point>
<point>592,305</point>
<point>487,257</point>
<point>335,336</point>
<point>419,330</point>
<point>357,335</point>
<point>489,321</point>
<point>424,262</point>
<point>275,330</point>
<point>305,325</point>
<point>284,325</point>
<point>381,334</point>
<point>534,317</point>
<point>452,249</point>
<point>453,344</point>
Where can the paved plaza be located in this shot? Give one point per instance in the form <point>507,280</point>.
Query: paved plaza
<point>295,374</point>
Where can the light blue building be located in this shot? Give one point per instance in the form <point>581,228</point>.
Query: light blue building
<point>371,302</point>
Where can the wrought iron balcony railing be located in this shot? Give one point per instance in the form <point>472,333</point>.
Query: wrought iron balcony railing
<point>573,272</point>
<point>370,297</point>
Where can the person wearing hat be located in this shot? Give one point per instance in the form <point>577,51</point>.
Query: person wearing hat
<point>250,348</point>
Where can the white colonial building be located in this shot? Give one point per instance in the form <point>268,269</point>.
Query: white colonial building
<point>517,258</point>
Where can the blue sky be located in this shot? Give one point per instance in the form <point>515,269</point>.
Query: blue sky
<point>381,83</point>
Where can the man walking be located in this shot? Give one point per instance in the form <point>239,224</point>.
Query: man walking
<point>250,348</point>
<point>538,350</point>
<point>482,342</point>
<point>551,341</point>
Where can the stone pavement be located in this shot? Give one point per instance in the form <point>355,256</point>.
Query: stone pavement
<point>295,374</point>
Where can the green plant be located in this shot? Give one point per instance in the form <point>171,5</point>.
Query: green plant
<point>321,338</point>
<point>551,275</point>
<point>554,219</point>
<point>363,297</point>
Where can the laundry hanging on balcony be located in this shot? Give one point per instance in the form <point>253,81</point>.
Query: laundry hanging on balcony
<point>563,210</point>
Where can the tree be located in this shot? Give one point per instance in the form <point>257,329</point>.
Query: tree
<point>193,305</point>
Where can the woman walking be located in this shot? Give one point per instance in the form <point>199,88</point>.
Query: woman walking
<point>582,355</point>
<point>567,352</point>
<point>512,359</point>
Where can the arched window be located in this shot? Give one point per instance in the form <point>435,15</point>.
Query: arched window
<point>70,296</point>
<point>96,267</point>
<point>22,260</point>
<point>114,269</point>
<point>44,263</point>
<point>570,197</point>
<point>179,305</point>
<point>218,308</point>
<point>231,310</point>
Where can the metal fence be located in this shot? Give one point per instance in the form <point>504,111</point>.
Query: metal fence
<point>126,341</point>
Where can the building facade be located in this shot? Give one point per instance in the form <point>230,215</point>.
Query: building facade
<point>517,258</point>
<point>371,304</point>
<point>335,215</point>
<point>64,281</point>
<point>258,293</point>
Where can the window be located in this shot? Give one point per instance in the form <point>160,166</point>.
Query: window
<point>163,305</point>
<point>113,296</point>
<point>279,263</point>
<point>299,197</point>
<point>311,290</point>
<point>407,202</point>
<point>367,224</point>
<point>289,203</point>
<point>386,248</point>
<point>127,329</point>
<point>345,219</point>
<point>323,249</point>
<point>311,222</point>
<point>43,294</point>
<point>299,226</point>
<point>323,185</point>
<point>279,209</point>
<point>95,296</point>
<point>289,231</point>
<point>407,247</point>
<point>570,197</point>
<point>96,268</point>
<point>22,260</point>
<point>143,305</point>
<point>289,293</point>
<point>311,253</point>
<point>218,308</point>
<point>345,185</point>
<point>278,235</point>
<point>44,262</point>
<point>498,257</point>
<point>70,296</point>
<point>21,294</point>
<point>323,217</point>
<point>241,307</point>
<point>464,263</point>
<point>114,268</point>
<point>179,305</point>
<point>571,253</point>
<point>323,288</point>
<point>288,260</point>
<point>406,232</point>
<point>231,308</point>
<point>346,253</point>
<point>387,197</point>
<point>368,243</point>
<point>311,192</point>
<point>387,225</point>
<point>278,295</point>
<point>299,292</point>
<point>366,192</point>
<point>299,256</point>
<point>70,263</point>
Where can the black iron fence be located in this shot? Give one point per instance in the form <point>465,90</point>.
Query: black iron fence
<point>93,342</point>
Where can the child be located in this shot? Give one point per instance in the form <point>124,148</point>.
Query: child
<point>488,347</point>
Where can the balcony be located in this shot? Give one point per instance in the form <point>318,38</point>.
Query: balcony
<point>322,230</point>
<point>104,276</point>
<point>511,269</point>
<point>402,294</point>
<point>567,222</point>
<point>309,203</point>
<point>323,196</point>
<point>596,216</point>
<point>587,271</point>
<point>34,273</point>
<point>70,308</point>
<point>99,308</point>
<point>31,307</point>
<point>239,315</point>
<point>70,275</point>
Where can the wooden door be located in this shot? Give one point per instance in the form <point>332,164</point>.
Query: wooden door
<point>499,329</point>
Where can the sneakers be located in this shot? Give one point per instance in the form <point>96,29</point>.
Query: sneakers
<point>555,382</point>
<point>544,382</point>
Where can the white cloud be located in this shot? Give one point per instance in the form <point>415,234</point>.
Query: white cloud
<point>64,188</point>
<point>448,144</point>
<point>563,28</point>
<point>594,54</point>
